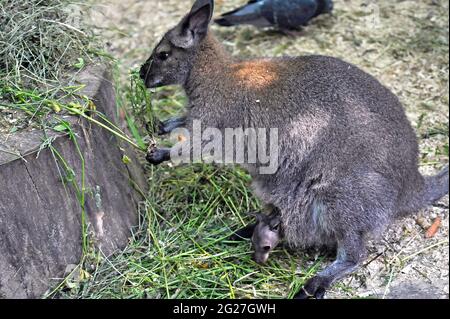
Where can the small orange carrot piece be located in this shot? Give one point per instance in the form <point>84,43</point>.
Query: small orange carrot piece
<point>433,228</point>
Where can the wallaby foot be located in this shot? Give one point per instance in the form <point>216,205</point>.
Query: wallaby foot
<point>169,125</point>
<point>156,156</point>
<point>244,233</point>
<point>314,288</point>
<point>351,252</point>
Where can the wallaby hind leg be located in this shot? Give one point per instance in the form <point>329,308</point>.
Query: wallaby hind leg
<point>367,199</point>
<point>350,253</point>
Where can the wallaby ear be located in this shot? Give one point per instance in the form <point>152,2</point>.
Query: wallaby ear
<point>259,216</point>
<point>200,4</point>
<point>275,220</point>
<point>275,223</point>
<point>194,27</point>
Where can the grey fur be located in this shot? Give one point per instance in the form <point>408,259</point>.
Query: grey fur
<point>347,153</point>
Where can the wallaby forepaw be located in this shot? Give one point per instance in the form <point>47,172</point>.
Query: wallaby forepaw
<point>161,128</point>
<point>155,155</point>
<point>314,288</point>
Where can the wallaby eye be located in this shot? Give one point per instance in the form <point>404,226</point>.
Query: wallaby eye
<point>275,227</point>
<point>163,56</point>
<point>266,248</point>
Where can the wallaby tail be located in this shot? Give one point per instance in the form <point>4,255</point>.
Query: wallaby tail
<point>434,188</point>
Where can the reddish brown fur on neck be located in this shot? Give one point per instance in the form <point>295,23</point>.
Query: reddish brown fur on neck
<point>214,60</point>
<point>256,74</point>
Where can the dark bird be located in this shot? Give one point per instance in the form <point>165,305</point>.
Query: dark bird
<point>282,14</point>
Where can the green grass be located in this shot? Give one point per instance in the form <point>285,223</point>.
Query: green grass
<point>181,250</point>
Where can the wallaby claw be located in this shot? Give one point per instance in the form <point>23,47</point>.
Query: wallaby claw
<point>314,288</point>
<point>303,294</point>
<point>161,129</point>
<point>169,125</point>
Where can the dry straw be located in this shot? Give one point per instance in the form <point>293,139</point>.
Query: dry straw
<point>38,40</point>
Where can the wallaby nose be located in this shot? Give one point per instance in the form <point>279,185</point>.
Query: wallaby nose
<point>143,71</point>
<point>261,258</point>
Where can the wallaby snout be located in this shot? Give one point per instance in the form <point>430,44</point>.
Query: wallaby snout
<point>164,67</point>
<point>144,74</point>
<point>266,236</point>
<point>260,258</point>
<point>262,252</point>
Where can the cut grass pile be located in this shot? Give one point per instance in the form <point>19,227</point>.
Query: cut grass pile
<point>42,48</point>
<point>39,40</point>
<point>44,45</point>
<point>180,248</point>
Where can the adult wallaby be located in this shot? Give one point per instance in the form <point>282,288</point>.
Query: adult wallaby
<point>347,153</point>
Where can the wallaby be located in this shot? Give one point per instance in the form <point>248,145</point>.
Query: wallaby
<point>347,153</point>
<point>266,236</point>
